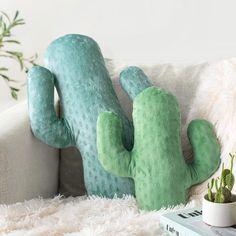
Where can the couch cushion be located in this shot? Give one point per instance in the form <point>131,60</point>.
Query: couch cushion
<point>28,167</point>
<point>71,174</point>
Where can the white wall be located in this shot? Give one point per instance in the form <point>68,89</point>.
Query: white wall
<point>147,31</point>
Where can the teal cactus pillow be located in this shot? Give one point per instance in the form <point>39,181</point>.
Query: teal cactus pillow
<point>75,66</point>
<point>156,163</point>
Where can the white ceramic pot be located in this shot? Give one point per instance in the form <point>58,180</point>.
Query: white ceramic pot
<point>219,214</point>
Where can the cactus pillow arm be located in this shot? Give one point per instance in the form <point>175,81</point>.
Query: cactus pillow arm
<point>133,81</point>
<point>156,162</point>
<point>204,143</point>
<point>47,126</point>
<point>115,158</point>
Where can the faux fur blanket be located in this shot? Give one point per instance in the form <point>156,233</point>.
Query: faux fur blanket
<point>80,216</point>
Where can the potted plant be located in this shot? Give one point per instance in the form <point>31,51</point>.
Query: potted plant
<point>7,52</point>
<point>219,207</point>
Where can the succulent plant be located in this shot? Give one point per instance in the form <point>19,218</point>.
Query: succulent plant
<point>223,192</point>
<point>210,193</point>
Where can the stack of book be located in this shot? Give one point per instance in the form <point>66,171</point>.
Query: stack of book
<point>189,222</point>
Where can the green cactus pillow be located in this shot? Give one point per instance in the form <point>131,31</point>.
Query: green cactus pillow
<point>156,163</point>
<point>75,66</point>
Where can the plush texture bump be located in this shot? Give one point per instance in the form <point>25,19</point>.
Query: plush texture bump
<point>76,67</point>
<point>156,163</point>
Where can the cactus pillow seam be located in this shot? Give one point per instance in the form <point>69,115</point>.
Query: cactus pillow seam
<point>75,66</point>
<point>156,163</point>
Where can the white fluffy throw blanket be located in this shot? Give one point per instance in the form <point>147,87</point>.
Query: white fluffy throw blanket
<point>80,216</point>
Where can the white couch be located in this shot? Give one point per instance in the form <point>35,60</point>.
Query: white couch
<point>29,168</point>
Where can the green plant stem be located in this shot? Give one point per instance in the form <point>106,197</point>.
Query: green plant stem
<point>6,38</point>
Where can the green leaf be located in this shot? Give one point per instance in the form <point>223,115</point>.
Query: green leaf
<point>5,77</point>
<point>227,194</point>
<point>212,183</point>
<point>230,181</point>
<point>231,162</point>
<point>7,56</point>
<point>15,53</point>
<point>11,41</point>
<point>209,191</point>
<point>210,195</point>
<point>216,184</point>
<point>18,56</point>
<point>3,69</point>
<point>225,172</point>
<point>16,15</point>
<point>0,22</point>
<point>4,26</point>
<point>15,81</point>
<point>219,198</point>
<point>14,94</point>
<point>19,22</point>
<point>8,18</point>
<point>21,63</point>
<point>15,89</point>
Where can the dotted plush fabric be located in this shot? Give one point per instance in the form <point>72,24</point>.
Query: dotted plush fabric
<point>76,68</point>
<point>156,163</point>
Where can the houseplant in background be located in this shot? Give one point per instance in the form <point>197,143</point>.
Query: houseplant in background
<point>219,207</point>
<point>8,42</point>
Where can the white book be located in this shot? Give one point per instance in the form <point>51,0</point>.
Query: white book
<point>189,222</point>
